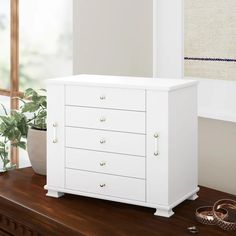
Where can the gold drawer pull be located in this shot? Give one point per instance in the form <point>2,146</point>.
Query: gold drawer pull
<point>156,136</point>
<point>55,125</point>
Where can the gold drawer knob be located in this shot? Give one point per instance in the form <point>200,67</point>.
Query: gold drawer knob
<point>156,135</point>
<point>102,141</point>
<point>103,163</point>
<point>102,97</point>
<point>102,119</point>
<point>54,141</point>
<point>102,185</point>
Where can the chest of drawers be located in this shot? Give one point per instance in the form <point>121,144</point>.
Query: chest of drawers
<point>132,140</point>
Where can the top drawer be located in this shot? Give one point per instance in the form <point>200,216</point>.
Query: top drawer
<point>114,98</point>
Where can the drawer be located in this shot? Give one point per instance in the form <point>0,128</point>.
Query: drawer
<point>110,185</point>
<point>107,163</point>
<point>126,99</point>
<point>96,118</point>
<point>106,141</point>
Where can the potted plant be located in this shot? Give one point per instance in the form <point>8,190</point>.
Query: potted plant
<point>27,123</point>
<point>13,132</point>
<point>35,108</point>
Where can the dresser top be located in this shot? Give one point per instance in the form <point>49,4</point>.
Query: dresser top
<point>124,82</point>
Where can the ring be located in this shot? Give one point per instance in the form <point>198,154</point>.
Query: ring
<point>193,229</point>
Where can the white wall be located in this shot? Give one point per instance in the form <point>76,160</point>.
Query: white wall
<point>217,154</point>
<point>115,37</point>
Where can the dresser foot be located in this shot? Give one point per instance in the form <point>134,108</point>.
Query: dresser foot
<point>164,213</point>
<point>52,193</point>
<point>193,197</point>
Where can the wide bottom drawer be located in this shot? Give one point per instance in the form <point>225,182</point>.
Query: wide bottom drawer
<point>115,186</point>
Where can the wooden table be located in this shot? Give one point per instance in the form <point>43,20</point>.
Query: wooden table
<point>25,210</point>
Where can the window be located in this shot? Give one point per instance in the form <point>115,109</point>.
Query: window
<point>35,44</point>
<point>5,45</point>
<point>45,41</point>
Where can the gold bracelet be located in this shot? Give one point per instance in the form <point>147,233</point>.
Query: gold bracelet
<point>206,216</point>
<point>224,223</point>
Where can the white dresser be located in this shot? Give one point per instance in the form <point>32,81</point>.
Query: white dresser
<point>131,140</point>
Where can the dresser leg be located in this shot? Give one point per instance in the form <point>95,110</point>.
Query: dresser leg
<point>164,213</point>
<point>55,194</point>
<point>193,197</point>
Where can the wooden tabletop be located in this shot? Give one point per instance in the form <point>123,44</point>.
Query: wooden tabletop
<point>23,199</point>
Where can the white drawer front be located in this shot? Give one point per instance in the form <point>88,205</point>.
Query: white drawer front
<point>107,141</point>
<point>126,99</point>
<point>107,163</point>
<point>110,185</point>
<point>96,118</point>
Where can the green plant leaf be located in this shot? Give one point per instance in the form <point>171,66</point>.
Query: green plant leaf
<point>29,93</point>
<point>30,107</point>
<point>6,119</point>
<point>20,144</point>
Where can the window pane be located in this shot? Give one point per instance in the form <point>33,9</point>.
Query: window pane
<point>5,101</point>
<point>45,41</point>
<point>45,44</point>
<point>4,44</point>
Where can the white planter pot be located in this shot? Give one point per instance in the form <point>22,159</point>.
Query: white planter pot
<point>36,147</point>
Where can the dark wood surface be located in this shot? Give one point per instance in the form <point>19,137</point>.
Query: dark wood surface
<point>25,210</point>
